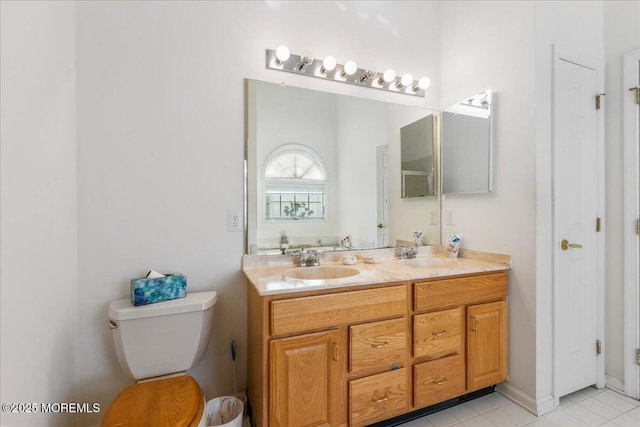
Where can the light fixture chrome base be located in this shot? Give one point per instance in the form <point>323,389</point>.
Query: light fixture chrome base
<point>360,77</point>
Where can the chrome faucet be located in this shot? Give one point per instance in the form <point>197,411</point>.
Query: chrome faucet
<point>306,259</point>
<point>406,252</point>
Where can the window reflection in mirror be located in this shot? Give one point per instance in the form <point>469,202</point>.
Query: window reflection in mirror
<point>467,133</point>
<point>294,184</point>
<point>322,167</point>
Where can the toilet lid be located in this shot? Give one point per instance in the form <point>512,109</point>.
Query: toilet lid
<point>170,402</point>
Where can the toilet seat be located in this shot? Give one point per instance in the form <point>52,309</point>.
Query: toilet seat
<point>170,402</point>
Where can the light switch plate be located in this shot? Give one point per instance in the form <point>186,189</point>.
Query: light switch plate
<point>451,220</point>
<point>433,217</point>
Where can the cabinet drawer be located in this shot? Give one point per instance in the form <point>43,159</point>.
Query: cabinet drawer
<point>437,294</point>
<point>438,380</point>
<point>377,346</point>
<point>438,334</point>
<point>378,397</point>
<point>326,311</point>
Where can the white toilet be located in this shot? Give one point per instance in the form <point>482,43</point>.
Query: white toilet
<point>156,344</point>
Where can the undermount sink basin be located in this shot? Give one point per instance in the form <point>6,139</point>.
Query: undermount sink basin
<point>431,262</point>
<point>320,273</point>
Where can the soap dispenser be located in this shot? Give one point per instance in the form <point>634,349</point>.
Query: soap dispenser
<point>284,242</point>
<point>453,246</point>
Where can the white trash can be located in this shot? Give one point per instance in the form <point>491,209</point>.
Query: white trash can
<point>224,411</point>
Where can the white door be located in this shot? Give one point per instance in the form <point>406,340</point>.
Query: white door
<point>382,156</point>
<point>575,238</point>
<point>631,150</point>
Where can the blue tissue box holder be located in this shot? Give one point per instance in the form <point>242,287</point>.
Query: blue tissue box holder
<point>148,291</point>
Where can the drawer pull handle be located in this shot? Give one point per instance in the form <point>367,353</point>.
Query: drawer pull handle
<point>441,381</point>
<point>382,399</point>
<point>474,328</point>
<point>439,334</point>
<point>384,344</point>
<point>336,351</point>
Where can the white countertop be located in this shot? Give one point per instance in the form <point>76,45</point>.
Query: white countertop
<point>266,272</point>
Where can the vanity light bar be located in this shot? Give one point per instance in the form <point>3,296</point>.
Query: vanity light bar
<point>281,59</point>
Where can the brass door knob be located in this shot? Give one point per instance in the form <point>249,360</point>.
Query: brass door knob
<point>566,245</point>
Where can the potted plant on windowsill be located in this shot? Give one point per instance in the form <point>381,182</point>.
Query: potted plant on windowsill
<point>297,210</point>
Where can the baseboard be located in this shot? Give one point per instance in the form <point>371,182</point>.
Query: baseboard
<point>614,384</point>
<point>537,407</point>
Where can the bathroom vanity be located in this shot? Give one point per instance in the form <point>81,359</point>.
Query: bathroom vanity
<point>398,336</point>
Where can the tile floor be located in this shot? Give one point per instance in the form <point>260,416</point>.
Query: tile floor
<point>587,407</point>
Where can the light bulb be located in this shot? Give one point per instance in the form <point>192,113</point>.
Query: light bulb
<point>405,80</point>
<point>389,76</point>
<point>282,53</point>
<point>350,67</point>
<point>424,82</point>
<point>328,64</point>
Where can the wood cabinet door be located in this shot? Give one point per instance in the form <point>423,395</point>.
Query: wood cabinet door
<point>304,380</point>
<point>486,344</point>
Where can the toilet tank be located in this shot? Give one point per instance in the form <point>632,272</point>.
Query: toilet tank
<point>162,338</point>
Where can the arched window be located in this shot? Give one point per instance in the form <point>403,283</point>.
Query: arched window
<point>295,184</point>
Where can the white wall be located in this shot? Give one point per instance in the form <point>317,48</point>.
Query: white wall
<point>160,144</point>
<point>38,207</point>
<point>621,35</point>
<point>490,45</point>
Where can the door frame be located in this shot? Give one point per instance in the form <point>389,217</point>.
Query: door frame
<point>631,166</point>
<point>562,53</point>
<point>382,181</point>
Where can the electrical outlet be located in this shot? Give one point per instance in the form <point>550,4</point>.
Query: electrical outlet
<point>234,220</point>
<point>451,220</point>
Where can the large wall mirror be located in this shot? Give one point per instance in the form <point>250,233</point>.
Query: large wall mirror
<point>325,171</point>
<point>467,145</point>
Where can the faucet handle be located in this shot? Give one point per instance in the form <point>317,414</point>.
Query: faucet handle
<point>404,251</point>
